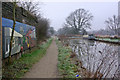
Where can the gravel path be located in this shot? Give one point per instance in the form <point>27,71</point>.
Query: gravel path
<point>47,66</point>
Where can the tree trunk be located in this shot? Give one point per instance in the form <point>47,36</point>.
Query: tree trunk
<point>11,39</point>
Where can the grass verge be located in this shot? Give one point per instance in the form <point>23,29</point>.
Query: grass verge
<point>19,67</point>
<point>65,66</point>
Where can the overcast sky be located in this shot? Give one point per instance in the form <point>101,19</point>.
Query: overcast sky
<point>58,11</point>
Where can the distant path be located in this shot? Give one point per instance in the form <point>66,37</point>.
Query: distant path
<point>47,66</point>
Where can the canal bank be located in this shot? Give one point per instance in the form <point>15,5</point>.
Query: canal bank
<point>69,66</point>
<point>98,59</point>
<point>108,40</point>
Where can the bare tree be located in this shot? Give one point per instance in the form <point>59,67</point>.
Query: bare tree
<point>42,28</point>
<point>79,19</point>
<point>113,24</point>
<point>51,31</point>
<point>31,7</point>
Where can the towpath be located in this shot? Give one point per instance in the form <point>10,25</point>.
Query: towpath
<point>47,66</point>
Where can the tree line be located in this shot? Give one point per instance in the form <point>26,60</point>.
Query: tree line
<point>80,20</point>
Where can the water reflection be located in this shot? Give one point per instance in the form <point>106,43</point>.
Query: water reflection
<point>97,57</point>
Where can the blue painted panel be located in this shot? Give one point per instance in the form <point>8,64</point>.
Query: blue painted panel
<point>9,23</point>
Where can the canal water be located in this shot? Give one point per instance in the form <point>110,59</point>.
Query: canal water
<point>97,56</point>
